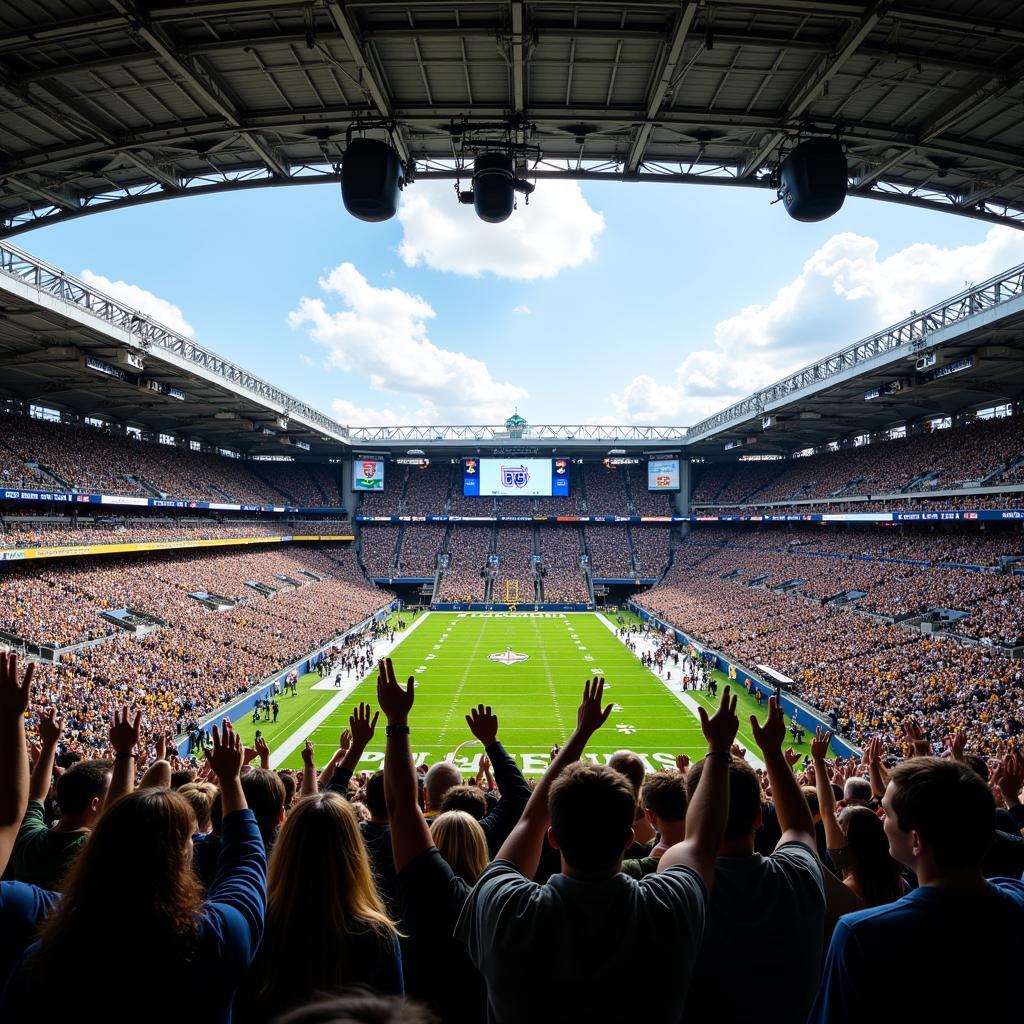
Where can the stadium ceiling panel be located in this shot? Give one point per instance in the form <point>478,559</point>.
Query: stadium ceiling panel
<point>111,103</point>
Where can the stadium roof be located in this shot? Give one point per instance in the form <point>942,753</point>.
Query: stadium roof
<point>66,344</point>
<point>108,103</point>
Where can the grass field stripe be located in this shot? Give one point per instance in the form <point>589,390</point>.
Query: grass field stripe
<point>462,682</point>
<point>551,682</point>
<point>685,699</point>
<point>381,648</point>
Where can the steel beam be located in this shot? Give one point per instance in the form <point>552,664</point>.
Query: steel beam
<point>661,86</point>
<point>368,76</point>
<point>826,69</point>
<point>199,78</point>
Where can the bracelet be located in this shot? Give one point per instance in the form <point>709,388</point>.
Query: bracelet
<point>124,753</point>
<point>719,753</point>
<point>396,730</point>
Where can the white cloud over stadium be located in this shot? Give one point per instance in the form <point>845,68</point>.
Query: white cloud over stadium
<point>847,290</point>
<point>132,295</point>
<point>380,334</point>
<point>556,231</point>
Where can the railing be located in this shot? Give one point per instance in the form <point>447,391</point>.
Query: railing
<point>912,332</point>
<point>518,437</point>
<point>149,334</point>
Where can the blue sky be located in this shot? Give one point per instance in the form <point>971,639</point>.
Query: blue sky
<point>600,303</point>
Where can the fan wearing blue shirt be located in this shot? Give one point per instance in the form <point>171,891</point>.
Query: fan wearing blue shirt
<point>932,949</point>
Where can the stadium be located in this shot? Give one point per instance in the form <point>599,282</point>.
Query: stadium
<point>187,546</point>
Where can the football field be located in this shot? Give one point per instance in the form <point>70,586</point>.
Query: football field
<point>530,667</point>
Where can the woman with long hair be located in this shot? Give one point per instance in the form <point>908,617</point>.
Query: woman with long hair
<point>461,842</point>
<point>132,907</point>
<point>326,925</point>
<point>856,840</point>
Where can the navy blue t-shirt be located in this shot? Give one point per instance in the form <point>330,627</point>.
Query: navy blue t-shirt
<point>929,951</point>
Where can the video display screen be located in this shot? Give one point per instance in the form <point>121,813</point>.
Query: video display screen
<point>368,474</point>
<point>513,477</point>
<point>663,475</point>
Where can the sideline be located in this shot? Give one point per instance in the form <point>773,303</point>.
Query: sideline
<point>381,649</point>
<point>644,644</point>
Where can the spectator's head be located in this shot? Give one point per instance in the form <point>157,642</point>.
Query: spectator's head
<point>440,778</point>
<point>265,796</point>
<point>876,873</point>
<point>938,813</point>
<point>82,791</point>
<point>744,797</point>
<point>811,796</point>
<point>625,762</point>
<point>320,888</point>
<point>461,841</point>
<point>137,867</point>
<point>857,791</point>
<point>288,781</point>
<point>359,1008</point>
<point>465,798</point>
<point>200,796</point>
<point>375,801</point>
<point>592,810</point>
<point>664,799</point>
<point>182,777</point>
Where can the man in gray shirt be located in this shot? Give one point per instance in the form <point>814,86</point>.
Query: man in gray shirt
<point>573,948</point>
<point>774,905</point>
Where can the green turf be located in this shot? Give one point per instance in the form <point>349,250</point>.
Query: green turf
<point>535,700</point>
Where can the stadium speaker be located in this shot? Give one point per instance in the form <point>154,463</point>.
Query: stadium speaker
<point>813,180</point>
<point>371,179</point>
<point>494,187</point>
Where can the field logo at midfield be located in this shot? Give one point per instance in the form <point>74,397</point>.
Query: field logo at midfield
<point>508,657</point>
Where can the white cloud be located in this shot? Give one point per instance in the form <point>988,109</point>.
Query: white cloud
<point>132,295</point>
<point>844,292</point>
<point>524,310</point>
<point>381,334</point>
<point>353,415</point>
<point>556,230</point>
<point>306,360</point>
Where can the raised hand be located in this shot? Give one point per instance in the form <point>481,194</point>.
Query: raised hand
<point>226,756</point>
<point>14,695</point>
<point>819,745</point>
<point>124,732</point>
<point>720,729</point>
<point>308,758</point>
<point>395,702</point>
<point>590,717</point>
<point>483,724</point>
<point>249,754</point>
<point>361,725</point>
<point>916,743</point>
<point>957,744</point>
<point>263,751</point>
<point>485,764</point>
<point>1010,778</point>
<point>161,746</point>
<point>791,756</point>
<point>344,742</point>
<point>682,763</point>
<point>770,736</point>
<point>50,727</point>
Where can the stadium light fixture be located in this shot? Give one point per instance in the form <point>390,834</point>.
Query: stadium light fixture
<point>372,174</point>
<point>812,180</point>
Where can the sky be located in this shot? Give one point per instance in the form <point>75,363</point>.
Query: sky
<point>596,303</point>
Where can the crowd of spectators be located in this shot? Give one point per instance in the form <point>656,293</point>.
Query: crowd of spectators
<point>418,897</point>
<point>197,658</point>
<point>873,671</point>
<point>90,459</point>
<point>941,459</point>
<point>646,502</point>
<point>610,551</point>
<point>468,548</point>
<point>563,579</point>
<point>514,577</point>
<point>420,545</point>
<point>377,548</point>
<point>605,489</point>
<point>33,533</point>
<point>650,549</point>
